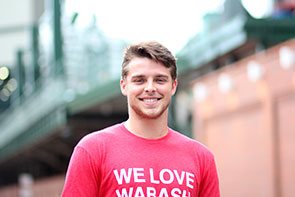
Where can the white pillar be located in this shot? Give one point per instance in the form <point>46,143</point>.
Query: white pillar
<point>25,185</point>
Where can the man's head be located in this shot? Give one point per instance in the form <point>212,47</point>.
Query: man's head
<point>148,79</point>
<point>152,50</point>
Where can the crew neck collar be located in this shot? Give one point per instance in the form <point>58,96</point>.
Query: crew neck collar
<point>126,131</point>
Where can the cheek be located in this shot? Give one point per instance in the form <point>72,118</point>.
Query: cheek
<point>166,90</point>
<point>133,91</point>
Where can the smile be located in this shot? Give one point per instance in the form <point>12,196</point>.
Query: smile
<point>149,100</point>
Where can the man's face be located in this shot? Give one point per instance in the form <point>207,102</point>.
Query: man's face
<point>148,87</point>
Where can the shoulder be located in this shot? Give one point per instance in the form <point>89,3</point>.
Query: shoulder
<point>192,145</point>
<point>97,138</point>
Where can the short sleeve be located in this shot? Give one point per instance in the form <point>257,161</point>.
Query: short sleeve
<point>209,186</point>
<point>82,178</point>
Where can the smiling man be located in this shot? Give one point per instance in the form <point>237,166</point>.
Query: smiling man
<point>143,156</point>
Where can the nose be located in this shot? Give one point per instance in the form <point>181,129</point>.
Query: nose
<point>150,87</point>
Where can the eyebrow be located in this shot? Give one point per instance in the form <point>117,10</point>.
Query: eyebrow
<point>157,76</point>
<point>162,76</point>
<point>137,76</point>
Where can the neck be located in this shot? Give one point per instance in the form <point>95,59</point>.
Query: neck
<point>148,128</point>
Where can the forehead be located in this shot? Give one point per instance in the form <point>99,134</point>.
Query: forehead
<point>145,66</point>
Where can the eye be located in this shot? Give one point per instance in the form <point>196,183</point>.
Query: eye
<point>138,80</point>
<point>161,80</point>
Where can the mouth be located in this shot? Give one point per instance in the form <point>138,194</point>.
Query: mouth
<point>150,100</point>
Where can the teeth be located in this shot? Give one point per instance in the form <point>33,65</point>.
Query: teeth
<point>149,100</point>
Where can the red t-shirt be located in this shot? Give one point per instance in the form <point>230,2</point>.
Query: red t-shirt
<point>115,162</point>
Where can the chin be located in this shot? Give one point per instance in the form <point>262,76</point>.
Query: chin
<point>151,116</point>
<point>147,115</point>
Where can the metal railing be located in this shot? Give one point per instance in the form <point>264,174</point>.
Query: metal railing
<point>87,62</point>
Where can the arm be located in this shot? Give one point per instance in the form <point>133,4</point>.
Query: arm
<point>82,177</point>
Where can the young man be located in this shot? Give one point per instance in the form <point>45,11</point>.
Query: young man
<point>142,156</point>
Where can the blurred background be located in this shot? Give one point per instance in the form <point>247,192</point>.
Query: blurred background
<point>60,65</point>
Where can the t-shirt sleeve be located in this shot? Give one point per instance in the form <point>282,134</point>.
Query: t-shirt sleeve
<point>82,177</point>
<point>209,186</point>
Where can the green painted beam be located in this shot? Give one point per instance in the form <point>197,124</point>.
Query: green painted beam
<point>270,31</point>
<point>35,56</point>
<point>40,129</point>
<point>57,37</point>
<point>20,75</point>
<point>207,46</point>
<point>13,29</point>
<point>97,95</point>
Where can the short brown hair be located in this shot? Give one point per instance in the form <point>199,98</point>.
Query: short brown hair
<point>152,50</point>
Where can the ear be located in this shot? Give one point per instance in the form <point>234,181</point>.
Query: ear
<point>123,87</point>
<point>174,87</point>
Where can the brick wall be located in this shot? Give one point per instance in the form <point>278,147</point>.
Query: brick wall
<point>246,116</point>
